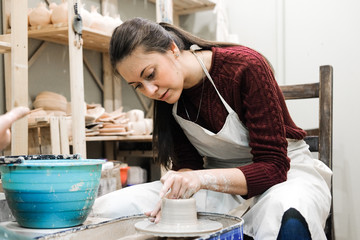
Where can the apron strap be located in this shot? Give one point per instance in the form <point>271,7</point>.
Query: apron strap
<point>193,49</point>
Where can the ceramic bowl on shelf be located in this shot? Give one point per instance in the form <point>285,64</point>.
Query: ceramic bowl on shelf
<point>50,104</point>
<point>51,193</point>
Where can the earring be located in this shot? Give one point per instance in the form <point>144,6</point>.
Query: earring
<point>177,54</point>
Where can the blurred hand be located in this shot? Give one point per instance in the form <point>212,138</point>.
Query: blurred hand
<point>6,120</point>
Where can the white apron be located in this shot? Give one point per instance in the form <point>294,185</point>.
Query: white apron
<point>306,188</point>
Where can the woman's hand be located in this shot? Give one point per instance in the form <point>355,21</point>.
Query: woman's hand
<point>155,215</point>
<point>6,121</point>
<point>180,184</point>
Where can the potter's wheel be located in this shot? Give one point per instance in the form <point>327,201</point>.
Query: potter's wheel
<point>178,219</point>
<point>178,230</point>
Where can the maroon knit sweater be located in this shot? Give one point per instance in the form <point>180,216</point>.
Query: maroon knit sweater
<point>246,82</point>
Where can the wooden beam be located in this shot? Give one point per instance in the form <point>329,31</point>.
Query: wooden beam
<point>19,75</point>
<point>6,8</point>
<point>54,135</point>
<point>164,11</point>
<point>108,84</point>
<point>92,73</point>
<point>77,88</point>
<point>300,91</point>
<point>117,92</point>
<point>64,137</point>
<point>37,53</point>
<point>326,114</point>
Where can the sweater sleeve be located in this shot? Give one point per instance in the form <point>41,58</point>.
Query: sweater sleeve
<point>262,111</point>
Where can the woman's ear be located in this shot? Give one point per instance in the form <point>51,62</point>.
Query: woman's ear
<point>174,48</point>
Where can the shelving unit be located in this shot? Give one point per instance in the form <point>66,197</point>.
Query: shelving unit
<point>16,73</point>
<point>62,34</point>
<point>15,47</point>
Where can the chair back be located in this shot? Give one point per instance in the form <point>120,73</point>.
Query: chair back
<point>319,139</point>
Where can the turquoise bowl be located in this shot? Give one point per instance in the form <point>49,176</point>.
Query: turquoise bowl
<point>51,193</point>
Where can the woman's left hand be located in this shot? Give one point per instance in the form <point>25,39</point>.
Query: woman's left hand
<point>181,184</point>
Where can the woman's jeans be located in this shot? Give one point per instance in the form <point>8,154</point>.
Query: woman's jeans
<point>293,227</point>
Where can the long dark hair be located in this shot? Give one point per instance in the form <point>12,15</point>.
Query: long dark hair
<point>155,37</point>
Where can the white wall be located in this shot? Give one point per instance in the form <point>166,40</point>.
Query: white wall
<point>297,37</point>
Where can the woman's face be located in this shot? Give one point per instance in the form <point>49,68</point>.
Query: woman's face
<point>156,75</point>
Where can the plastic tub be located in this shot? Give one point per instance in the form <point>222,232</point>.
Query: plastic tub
<point>53,193</point>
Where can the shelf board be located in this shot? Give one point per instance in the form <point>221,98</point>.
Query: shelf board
<point>182,7</point>
<point>135,153</point>
<point>5,43</point>
<point>129,138</point>
<point>93,40</point>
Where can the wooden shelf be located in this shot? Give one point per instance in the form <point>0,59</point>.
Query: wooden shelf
<point>129,138</point>
<point>93,40</point>
<point>45,122</point>
<point>182,7</point>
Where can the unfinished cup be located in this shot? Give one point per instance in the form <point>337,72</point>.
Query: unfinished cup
<point>178,211</point>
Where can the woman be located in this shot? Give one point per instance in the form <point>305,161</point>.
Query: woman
<point>222,126</point>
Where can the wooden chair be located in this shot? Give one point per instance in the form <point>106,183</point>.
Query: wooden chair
<point>320,139</point>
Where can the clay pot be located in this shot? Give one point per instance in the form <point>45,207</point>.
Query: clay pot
<point>135,115</point>
<point>40,15</point>
<point>59,13</point>
<point>137,128</point>
<point>178,211</point>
